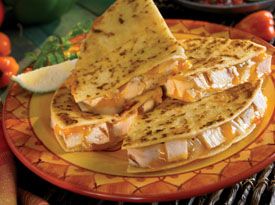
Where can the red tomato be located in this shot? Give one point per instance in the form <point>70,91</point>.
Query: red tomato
<point>5,45</point>
<point>2,12</point>
<point>260,23</point>
<point>78,38</point>
<point>8,68</point>
<point>235,2</point>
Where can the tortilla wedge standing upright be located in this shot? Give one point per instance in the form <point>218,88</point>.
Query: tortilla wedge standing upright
<point>128,51</point>
<point>217,64</point>
<point>176,133</point>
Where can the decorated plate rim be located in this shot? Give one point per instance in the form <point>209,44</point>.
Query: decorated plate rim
<point>143,197</point>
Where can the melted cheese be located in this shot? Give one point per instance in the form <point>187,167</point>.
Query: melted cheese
<point>103,105</point>
<point>228,131</point>
<point>161,154</point>
<point>192,88</point>
<point>84,130</point>
<point>260,58</point>
<point>115,103</point>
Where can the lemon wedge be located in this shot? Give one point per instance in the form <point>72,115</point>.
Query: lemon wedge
<point>46,79</point>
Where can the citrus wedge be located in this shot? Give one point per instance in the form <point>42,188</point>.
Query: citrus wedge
<point>46,79</point>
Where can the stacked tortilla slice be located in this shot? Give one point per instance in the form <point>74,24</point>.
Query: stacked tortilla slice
<point>76,130</point>
<point>174,133</point>
<point>167,103</point>
<point>217,64</point>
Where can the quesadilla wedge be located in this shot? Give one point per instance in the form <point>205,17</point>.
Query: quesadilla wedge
<point>176,133</point>
<point>128,51</point>
<point>217,64</point>
<point>79,131</point>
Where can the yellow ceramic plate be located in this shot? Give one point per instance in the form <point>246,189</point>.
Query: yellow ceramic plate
<point>26,122</point>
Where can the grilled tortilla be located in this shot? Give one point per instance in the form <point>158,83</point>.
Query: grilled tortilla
<point>175,133</point>
<point>128,51</point>
<point>217,64</point>
<point>79,131</point>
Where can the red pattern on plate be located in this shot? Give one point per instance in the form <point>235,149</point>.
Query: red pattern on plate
<point>27,147</point>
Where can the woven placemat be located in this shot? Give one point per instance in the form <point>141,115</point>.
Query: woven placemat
<point>259,189</point>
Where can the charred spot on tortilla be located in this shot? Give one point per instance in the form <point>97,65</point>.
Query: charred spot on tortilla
<point>136,47</point>
<point>67,119</point>
<point>187,119</point>
<point>121,20</point>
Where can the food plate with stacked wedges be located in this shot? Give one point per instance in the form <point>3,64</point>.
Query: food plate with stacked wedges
<point>207,125</point>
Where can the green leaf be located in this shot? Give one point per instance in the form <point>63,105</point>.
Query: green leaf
<point>66,45</point>
<point>72,56</point>
<point>51,44</point>
<point>51,48</point>
<point>51,59</point>
<point>41,62</point>
<point>51,52</point>
<point>59,57</point>
<point>80,28</point>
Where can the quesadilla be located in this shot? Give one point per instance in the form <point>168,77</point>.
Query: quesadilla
<point>79,131</point>
<point>176,133</point>
<point>128,51</point>
<point>217,64</point>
